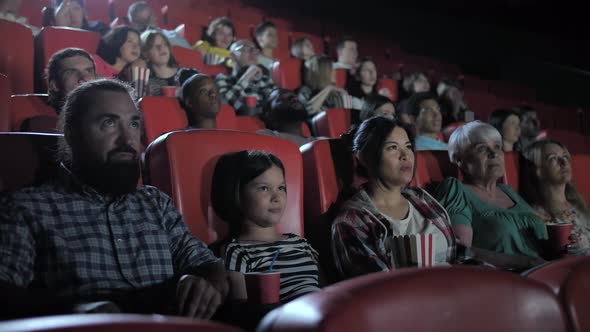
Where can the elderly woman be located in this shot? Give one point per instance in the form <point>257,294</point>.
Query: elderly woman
<point>486,214</point>
<point>385,206</point>
<point>546,182</point>
<point>507,122</point>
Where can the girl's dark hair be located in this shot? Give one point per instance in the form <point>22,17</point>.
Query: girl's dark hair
<point>220,21</point>
<point>110,45</point>
<point>371,104</point>
<point>369,139</point>
<point>232,173</point>
<point>498,117</point>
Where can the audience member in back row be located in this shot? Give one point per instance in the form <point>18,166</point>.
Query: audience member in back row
<point>247,78</point>
<point>302,49</point>
<point>92,235</point>
<point>249,193</point>
<point>267,41</point>
<point>66,70</point>
<point>546,182</point>
<point>71,13</point>
<point>318,93</point>
<point>9,11</point>
<point>120,48</point>
<point>507,123</point>
<point>385,207</point>
<point>220,34</point>
<point>377,106</point>
<point>414,83</point>
<point>364,82</point>
<point>486,214</point>
<point>347,53</point>
<point>530,126</point>
<point>141,17</point>
<point>156,50</point>
<point>450,99</point>
<point>200,99</point>
<point>425,115</point>
<point>284,115</point>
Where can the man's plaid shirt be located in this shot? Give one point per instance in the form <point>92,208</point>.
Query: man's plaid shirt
<point>233,93</point>
<point>65,237</point>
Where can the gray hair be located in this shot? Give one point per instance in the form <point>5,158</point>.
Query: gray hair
<point>468,134</point>
<point>410,79</point>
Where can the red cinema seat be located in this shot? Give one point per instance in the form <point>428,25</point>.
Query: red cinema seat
<point>554,274</point>
<point>97,10</point>
<point>32,159</point>
<point>576,301</point>
<point>244,30</point>
<point>41,124</point>
<point>580,167</point>
<point>286,73</point>
<point>5,92</point>
<point>432,167</point>
<point>511,162</point>
<point>246,14</point>
<point>190,31</point>
<point>435,299</point>
<point>23,107</point>
<point>332,122</point>
<point>575,142</point>
<point>389,85</point>
<point>187,58</point>
<point>226,118</point>
<point>182,163</point>
<point>31,9</point>
<point>249,124</point>
<point>113,323</point>
<point>481,103</point>
<point>53,39</point>
<point>340,77</point>
<point>212,70</point>
<point>161,115</point>
<point>17,59</point>
<point>305,130</point>
<point>448,130</point>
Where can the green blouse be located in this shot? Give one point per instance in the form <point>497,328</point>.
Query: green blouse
<point>514,231</point>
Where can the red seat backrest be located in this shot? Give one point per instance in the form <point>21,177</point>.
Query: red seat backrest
<point>32,159</point>
<point>23,107</point>
<point>390,85</point>
<point>249,124</point>
<point>114,323</point>
<point>182,164</point>
<point>5,92</point>
<point>575,142</point>
<point>555,273</point>
<point>435,299</point>
<point>332,122</point>
<point>305,130</point>
<point>31,9</point>
<point>286,73</point>
<point>511,172</point>
<point>53,39</point>
<point>187,58</point>
<point>190,31</point>
<point>97,10</point>
<point>17,59</point>
<point>448,130</point>
<point>576,292</point>
<point>226,118</point>
<point>340,77</point>
<point>432,167</point>
<point>580,167</point>
<point>161,115</point>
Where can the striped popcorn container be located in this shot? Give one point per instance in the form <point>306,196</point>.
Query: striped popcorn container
<point>412,250</point>
<point>140,79</point>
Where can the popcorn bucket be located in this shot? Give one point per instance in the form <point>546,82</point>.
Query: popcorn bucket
<point>140,77</point>
<point>412,250</point>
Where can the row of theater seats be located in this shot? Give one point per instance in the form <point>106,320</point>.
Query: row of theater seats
<point>457,299</point>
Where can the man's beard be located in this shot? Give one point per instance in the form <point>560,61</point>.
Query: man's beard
<point>111,177</point>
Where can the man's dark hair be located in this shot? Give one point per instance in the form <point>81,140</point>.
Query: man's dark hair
<point>110,45</point>
<point>220,21</point>
<point>56,98</point>
<point>76,106</point>
<point>342,41</point>
<point>232,173</point>
<point>416,99</point>
<point>498,117</point>
<point>371,104</point>
<point>369,139</point>
<point>260,28</point>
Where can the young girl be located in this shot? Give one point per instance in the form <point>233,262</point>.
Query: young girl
<point>249,193</point>
<point>156,49</point>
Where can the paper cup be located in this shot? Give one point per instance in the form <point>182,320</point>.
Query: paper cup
<point>169,91</point>
<point>263,288</point>
<point>412,250</point>
<point>559,238</point>
<point>250,101</point>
